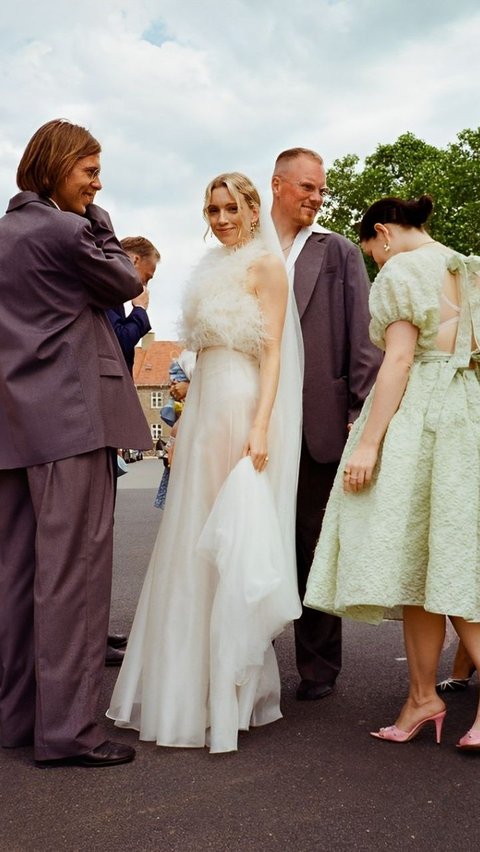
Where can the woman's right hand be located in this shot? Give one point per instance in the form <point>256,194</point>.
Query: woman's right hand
<point>257,448</point>
<point>358,470</point>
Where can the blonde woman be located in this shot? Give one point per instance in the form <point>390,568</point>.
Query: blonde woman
<point>200,664</point>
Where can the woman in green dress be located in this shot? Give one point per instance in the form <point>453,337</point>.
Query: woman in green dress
<point>402,527</point>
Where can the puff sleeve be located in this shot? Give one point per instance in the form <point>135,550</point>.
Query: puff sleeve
<point>406,288</point>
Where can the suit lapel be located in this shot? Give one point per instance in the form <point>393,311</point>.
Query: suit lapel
<point>307,269</point>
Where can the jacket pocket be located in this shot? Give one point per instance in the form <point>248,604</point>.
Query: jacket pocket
<point>109,366</point>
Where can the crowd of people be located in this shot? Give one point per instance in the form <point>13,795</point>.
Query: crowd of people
<point>326,462</point>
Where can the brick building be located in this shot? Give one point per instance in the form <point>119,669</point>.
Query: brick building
<point>150,376</point>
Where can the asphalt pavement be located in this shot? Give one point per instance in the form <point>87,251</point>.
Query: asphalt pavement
<point>313,782</point>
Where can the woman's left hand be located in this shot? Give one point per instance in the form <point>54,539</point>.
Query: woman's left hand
<point>257,448</point>
<point>358,470</point>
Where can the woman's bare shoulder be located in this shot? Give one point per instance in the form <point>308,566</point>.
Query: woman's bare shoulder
<point>268,263</point>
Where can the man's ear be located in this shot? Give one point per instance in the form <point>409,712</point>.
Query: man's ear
<point>275,184</point>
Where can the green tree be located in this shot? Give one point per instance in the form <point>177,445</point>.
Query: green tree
<point>409,168</point>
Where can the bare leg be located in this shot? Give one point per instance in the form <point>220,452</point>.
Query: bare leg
<point>463,665</point>
<point>469,633</point>
<point>424,634</point>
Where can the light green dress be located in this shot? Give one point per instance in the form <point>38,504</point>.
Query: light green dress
<point>413,536</point>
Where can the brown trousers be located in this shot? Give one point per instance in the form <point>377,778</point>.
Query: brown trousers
<point>318,636</point>
<point>56,540</point>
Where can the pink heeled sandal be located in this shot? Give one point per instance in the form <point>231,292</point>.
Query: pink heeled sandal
<point>396,735</point>
<point>470,741</point>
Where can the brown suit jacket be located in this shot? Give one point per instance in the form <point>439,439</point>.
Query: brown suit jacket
<point>64,385</point>
<point>331,288</point>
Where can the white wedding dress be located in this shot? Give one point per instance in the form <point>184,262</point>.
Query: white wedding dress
<point>221,583</point>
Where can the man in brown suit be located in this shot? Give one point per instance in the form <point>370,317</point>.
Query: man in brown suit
<point>66,403</point>
<point>331,289</point>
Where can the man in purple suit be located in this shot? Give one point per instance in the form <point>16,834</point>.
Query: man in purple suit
<point>331,289</point>
<point>66,403</point>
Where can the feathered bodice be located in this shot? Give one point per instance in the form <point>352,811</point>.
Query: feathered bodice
<point>217,308</point>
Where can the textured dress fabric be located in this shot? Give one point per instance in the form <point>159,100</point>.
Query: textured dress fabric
<point>200,664</point>
<point>412,537</point>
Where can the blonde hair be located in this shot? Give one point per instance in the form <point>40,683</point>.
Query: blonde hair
<point>238,185</point>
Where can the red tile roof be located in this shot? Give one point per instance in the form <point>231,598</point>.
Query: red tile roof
<point>151,365</point>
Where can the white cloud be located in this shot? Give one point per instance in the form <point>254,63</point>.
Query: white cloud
<point>177,92</point>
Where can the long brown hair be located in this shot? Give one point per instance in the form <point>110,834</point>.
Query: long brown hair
<point>52,153</point>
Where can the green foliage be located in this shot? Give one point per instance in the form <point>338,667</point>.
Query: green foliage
<point>409,168</point>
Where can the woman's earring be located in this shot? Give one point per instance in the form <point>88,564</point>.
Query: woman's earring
<point>253,226</point>
<point>386,246</point>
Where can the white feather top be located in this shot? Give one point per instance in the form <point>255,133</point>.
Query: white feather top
<point>217,308</point>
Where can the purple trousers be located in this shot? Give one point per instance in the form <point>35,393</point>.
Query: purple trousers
<point>56,541</point>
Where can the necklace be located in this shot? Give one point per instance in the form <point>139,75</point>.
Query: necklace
<point>426,243</point>
<point>284,248</point>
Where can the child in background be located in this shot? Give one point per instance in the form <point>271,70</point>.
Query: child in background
<point>180,373</point>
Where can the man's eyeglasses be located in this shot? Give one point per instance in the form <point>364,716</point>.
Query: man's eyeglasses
<point>308,188</point>
<point>92,174</point>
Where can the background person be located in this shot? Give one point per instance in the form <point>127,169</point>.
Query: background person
<point>331,289</point>
<point>180,374</point>
<point>66,401</point>
<point>129,331</point>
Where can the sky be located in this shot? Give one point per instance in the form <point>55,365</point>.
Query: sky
<point>177,91</point>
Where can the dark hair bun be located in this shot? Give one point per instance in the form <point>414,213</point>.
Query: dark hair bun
<point>394,210</point>
<point>421,210</point>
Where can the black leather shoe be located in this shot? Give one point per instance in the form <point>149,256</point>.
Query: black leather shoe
<point>117,640</point>
<point>108,753</point>
<point>310,690</point>
<point>114,656</point>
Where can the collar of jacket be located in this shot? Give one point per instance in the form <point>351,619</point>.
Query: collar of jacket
<point>308,267</point>
<point>27,197</point>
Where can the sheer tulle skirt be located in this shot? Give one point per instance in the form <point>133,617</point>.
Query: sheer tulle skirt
<point>221,581</point>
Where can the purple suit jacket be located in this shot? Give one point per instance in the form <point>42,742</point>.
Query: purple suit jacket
<point>331,288</point>
<point>64,384</point>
